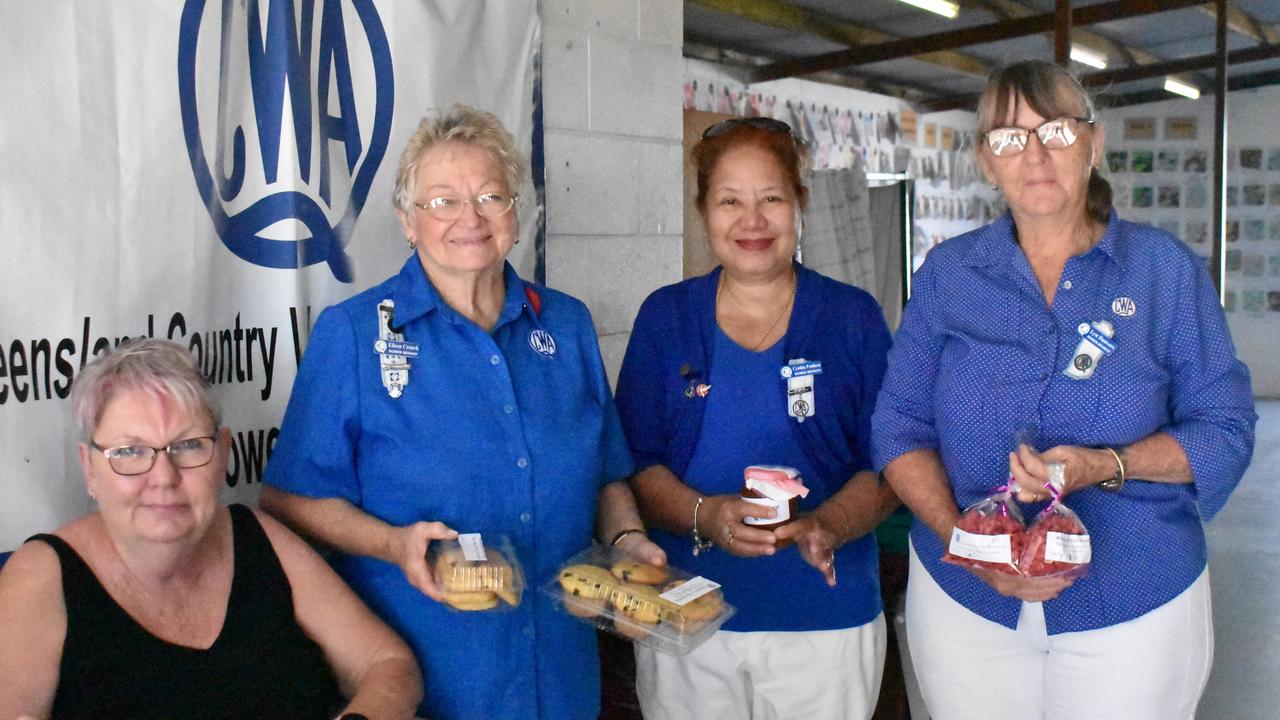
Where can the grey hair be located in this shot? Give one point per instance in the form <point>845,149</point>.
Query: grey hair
<point>153,365</point>
<point>1053,92</point>
<point>461,124</point>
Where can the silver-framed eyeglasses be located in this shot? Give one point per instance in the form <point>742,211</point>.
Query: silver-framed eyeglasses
<point>1054,134</point>
<point>487,205</point>
<point>138,459</point>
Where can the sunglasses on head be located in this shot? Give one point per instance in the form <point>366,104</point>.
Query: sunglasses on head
<point>760,123</point>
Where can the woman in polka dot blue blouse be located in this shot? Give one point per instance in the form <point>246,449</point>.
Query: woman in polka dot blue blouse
<point>1062,334</point>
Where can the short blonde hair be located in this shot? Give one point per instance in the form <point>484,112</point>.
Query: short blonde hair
<point>461,124</point>
<point>153,365</point>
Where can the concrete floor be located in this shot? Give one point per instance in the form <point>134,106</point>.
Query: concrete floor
<point>1244,568</point>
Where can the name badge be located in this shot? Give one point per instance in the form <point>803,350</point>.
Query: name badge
<point>801,376</point>
<point>1095,343</point>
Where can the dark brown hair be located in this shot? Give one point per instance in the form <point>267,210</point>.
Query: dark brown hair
<point>789,153</point>
<point>1053,92</point>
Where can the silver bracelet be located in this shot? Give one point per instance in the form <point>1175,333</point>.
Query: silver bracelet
<point>700,544</point>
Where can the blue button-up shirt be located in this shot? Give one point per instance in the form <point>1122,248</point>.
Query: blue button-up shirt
<point>980,357</point>
<point>495,433</point>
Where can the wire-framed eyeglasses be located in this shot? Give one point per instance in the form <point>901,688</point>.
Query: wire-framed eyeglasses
<point>138,459</point>
<point>487,205</point>
<point>1054,134</point>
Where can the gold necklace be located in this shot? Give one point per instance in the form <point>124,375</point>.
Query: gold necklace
<point>790,298</point>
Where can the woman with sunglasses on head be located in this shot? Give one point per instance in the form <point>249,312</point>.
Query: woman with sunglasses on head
<point>163,603</point>
<point>457,397</point>
<point>1100,346</point>
<point>704,393</point>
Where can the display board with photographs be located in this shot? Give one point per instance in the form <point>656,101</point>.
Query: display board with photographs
<point>1161,171</point>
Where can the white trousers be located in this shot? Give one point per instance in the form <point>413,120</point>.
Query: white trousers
<point>1153,667</point>
<point>822,674</point>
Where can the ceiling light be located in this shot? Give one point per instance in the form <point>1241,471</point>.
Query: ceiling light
<point>946,8</point>
<point>1181,88</point>
<point>1085,56</point>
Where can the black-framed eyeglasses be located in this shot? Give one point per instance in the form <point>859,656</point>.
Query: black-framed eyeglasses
<point>487,205</point>
<point>760,123</point>
<point>1054,134</point>
<point>138,459</point>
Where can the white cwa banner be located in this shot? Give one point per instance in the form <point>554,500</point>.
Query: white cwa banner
<point>215,172</point>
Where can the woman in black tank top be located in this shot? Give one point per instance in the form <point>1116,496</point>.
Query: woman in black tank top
<point>163,603</point>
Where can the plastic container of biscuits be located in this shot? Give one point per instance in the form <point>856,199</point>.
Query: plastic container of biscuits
<point>643,603</point>
<point>477,573</point>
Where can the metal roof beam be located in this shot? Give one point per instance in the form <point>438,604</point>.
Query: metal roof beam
<point>786,16</point>
<point>975,35</point>
<point>1242,23</point>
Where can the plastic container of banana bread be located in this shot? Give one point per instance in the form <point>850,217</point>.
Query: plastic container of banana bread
<point>665,608</point>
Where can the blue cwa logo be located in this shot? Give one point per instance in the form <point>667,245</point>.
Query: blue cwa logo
<point>286,110</point>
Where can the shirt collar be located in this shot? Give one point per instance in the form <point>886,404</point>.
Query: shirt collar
<point>415,296</point>
<point>997,242</point>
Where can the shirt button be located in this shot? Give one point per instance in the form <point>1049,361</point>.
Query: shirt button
<point>1066,285</point>
<point>525,517</point>
<point>508,409</point>
<point>494,359</point>
<point>1048,329</point>
<point>522,462</point>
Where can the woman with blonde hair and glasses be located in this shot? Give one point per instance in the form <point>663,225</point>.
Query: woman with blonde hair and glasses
<point>761,362</point>
<point>162,603</point>
<point>1061,335</point>
<point>457,397</point>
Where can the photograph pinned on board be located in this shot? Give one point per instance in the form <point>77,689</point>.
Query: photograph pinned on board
<point>1251,158</point>
<point>1142,161</point>
<point>1234,260</point>
<point>1255,195</point>
<point>1233,230</point>
<point>1142,196</point>
<point>1233,195</point>
<point>1117,161</point>
<point>1253,265</point>
<point>1253,301</point>
<point>1273,194</point>
<point>1273,266</point>
<point>1194,161</point>
<point>1197,232</point>
<point>1167,160</point>
<point>1273,300</point>
<point>1273,230</point>
<point>1140,128</point>
<point>1169,196</point>
<point>1255,229</point>
<point>1180,128</point>
<point>1196,195</point>
<point>1229,301</point>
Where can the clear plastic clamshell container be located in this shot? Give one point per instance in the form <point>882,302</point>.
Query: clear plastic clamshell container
<point>607,588</point>
<point>477,574</point>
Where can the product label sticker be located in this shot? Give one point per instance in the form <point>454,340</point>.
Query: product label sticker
<point>782,508</point>
<point>1064,547</point>
<point>472,547</point>
<point>687,592</point>
<point>988,548</point>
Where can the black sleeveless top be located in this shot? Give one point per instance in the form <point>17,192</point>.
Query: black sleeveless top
<point>260,666</point>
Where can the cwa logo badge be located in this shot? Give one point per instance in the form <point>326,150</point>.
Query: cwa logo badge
<point>286,109</point>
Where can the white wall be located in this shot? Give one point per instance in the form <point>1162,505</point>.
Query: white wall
<point>1255,327</point>
<point>612,76</point>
